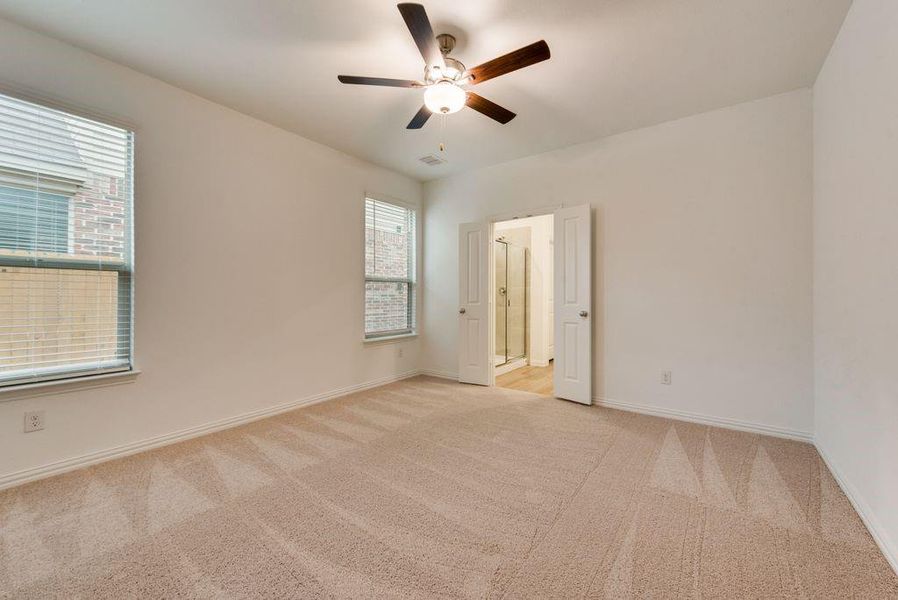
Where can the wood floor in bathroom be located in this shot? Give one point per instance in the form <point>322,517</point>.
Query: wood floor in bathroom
<point>528,379</point>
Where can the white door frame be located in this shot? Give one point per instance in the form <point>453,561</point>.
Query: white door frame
<point>492,220</point>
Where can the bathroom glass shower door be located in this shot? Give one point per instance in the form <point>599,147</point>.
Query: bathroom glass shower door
<point>511,302</point>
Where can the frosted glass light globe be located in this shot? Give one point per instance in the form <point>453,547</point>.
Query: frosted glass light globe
<point>444,98</point>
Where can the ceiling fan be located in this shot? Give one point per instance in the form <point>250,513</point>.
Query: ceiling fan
<point>444,76</point>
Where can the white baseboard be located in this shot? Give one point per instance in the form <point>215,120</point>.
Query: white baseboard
<point>539,363</point>
<point>440,374</point>
<point>510,366</point>
<point>888,546</point>
<point>682,415</point>
<point>885,543</point>
<point>92,458</point>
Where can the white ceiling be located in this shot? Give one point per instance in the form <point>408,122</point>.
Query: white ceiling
<point>616,64</point>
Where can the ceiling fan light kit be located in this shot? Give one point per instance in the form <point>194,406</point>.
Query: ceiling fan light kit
<point>445,76</point>
<point>444,97</point>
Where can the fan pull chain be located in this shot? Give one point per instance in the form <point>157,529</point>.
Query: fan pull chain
<point>442,133</point>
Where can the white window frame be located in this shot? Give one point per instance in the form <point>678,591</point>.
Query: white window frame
<point>412,281</point>
<point>67,377</point>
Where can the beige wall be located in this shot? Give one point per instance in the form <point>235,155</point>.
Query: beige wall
<point>702,258</point>
<point>249,263</point>
<point>856,263</point>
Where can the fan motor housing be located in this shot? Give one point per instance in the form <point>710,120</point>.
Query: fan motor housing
<point>454,71</point>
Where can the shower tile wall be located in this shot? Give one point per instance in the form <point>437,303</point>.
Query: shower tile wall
<point>517,307</point>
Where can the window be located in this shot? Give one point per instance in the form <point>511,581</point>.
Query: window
<point>65,244</point>
<point>389,269</point>
<point>30,218</point>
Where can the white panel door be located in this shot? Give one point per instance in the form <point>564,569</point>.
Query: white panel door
<point>473,303</point>
<point>573,303</point>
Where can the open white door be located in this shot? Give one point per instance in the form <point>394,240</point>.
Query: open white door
<point>573,301</point>
<point>473,303</point>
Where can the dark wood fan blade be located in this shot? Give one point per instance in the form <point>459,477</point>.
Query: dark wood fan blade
<point>419,25</point>
<point>354,79</point>
<point>523,57</point>
<point>488,108</point>
<point>419,119</point>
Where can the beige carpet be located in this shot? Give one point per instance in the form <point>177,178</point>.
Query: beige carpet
<point>429,489</point>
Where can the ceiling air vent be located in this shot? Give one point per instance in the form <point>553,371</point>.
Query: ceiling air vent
<point>431,160</point>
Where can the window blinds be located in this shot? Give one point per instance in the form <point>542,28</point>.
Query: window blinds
<point>65,244</point>
<point>389,269</point>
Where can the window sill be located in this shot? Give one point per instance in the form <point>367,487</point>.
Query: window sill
<point>61,386</point>
<point>391,338</point>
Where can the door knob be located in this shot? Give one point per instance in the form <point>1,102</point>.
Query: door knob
<point>584,314</point>
<point>461,311</point>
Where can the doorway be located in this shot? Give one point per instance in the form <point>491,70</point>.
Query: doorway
<point>558,337</point>
<point>523,302</point>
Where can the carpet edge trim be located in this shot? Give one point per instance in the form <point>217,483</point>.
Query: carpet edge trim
<point>30,474</point>
<point>868,517</point>
<point>726,423</point>
<point>440,374</point>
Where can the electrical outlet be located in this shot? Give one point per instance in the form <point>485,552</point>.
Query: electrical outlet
<point>400,352</point>
<point>34,421</point>
<point>666,378</point>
